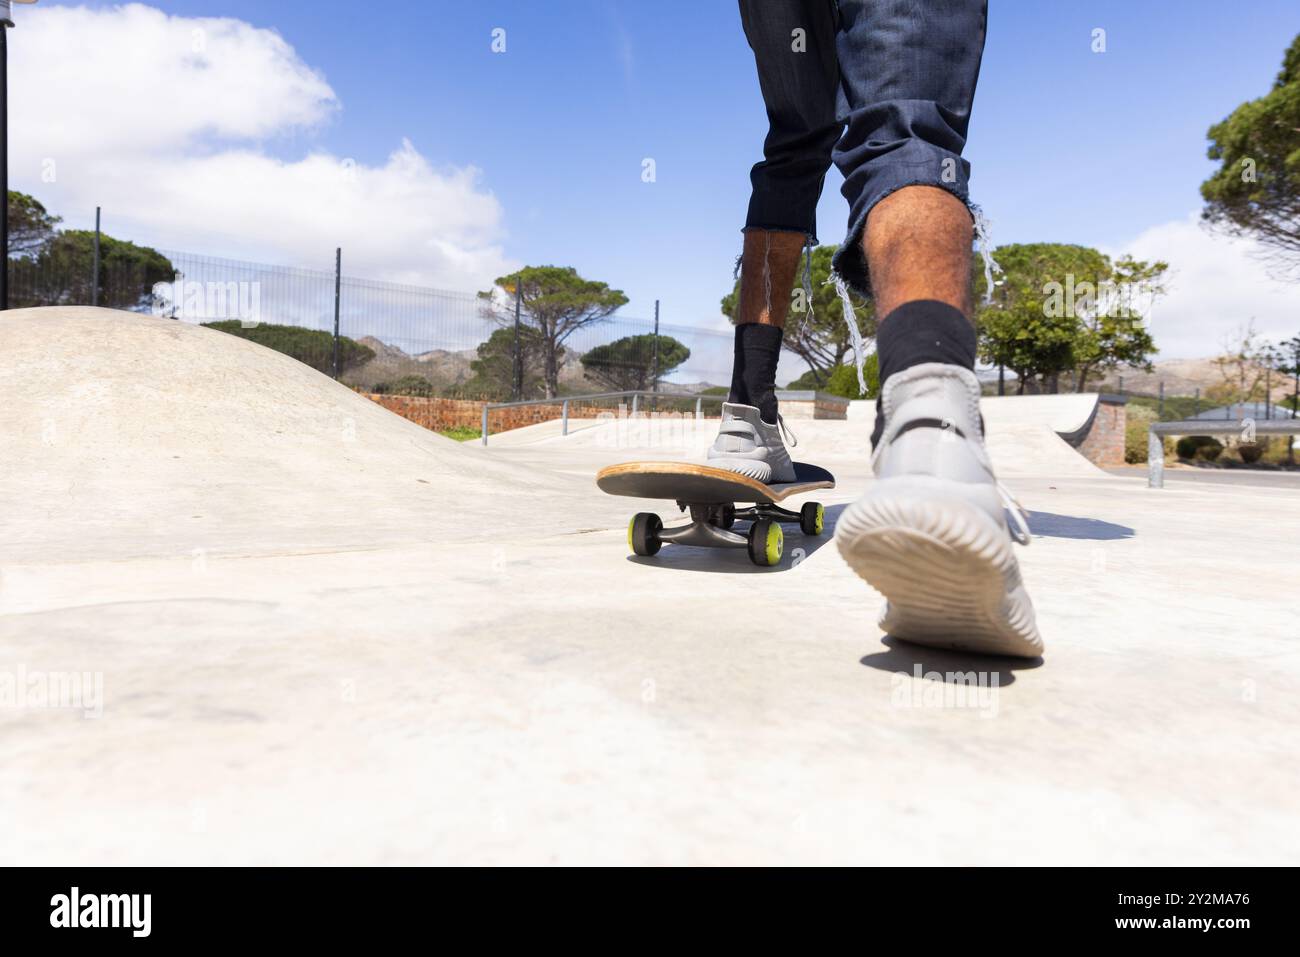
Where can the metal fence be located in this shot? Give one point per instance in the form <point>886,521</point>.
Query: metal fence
<point>390,336</point>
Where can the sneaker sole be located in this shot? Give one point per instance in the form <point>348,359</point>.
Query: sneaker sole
<point>947,570</point>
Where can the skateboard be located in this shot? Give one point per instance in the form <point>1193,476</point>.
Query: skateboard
<point>711,494</point>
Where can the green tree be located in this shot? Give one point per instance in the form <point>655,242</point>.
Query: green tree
<point>1060,308</point>
<point>493,372</point>
<point>819,336</point>
<point>62,272</point>
<point>555,301</point>
<point>1016,325</point>
<point>31,226</point>
<point>1256,189</point>
<point>629,363</point>
<point>1113,330</point>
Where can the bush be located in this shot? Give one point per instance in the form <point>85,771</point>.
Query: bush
<point>843,380</point>
<point>1251,452</point>
<point>1137,420</point>
<point>406,385</point>
<point>309,346</point>
<point>1204,446</point>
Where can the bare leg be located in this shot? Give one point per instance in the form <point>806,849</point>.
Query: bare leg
<point>767,270</point>
<point>918,246</point>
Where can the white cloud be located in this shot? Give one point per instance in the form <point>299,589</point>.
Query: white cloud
<point>165,121</point>
<point>1216,285</point>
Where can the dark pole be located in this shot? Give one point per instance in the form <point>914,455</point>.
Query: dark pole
<point>1295,400</point>
<point>1002,379</point>
<point>338,289</point>
<point>5,24</point>
<point>1161,412</point>
<point>655,385</point>
<point>517,378</point>
<point>1295,396</point>
<point>94,285</point>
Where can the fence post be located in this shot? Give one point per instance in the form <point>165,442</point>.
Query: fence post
<point>1161,411</point>
<point>654,383</point>
<point>1002,379</point>
<point>1196,402</point>
<point>636,401</point>
<point>4,161</point>
<point>485,412</point>
<point>1155,460</point>
<point>564,418</point>
<point>338,289</point>
<point>94,282</point>
<point>517,368</point>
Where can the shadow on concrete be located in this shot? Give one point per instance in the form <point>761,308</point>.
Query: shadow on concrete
<point>735,561</point>
<point>942,665</point>
<point>1049,525</point>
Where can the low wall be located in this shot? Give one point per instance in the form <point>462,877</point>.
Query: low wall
<point>1103,445</point>
<point>812,405</point>
<point>439,414</point>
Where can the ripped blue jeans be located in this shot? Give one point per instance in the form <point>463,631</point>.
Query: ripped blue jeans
<point>882,88</point>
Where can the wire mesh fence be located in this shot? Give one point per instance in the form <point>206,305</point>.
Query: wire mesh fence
<point>390,337</point>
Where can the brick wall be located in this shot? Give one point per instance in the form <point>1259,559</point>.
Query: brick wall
<point>438,414</point>
<point>1104,443</point>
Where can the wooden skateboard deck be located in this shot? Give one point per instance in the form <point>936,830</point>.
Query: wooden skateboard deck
<point>690,483</point>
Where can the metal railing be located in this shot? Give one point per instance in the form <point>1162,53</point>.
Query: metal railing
<point>565,401</point>
<point>1158,430</point>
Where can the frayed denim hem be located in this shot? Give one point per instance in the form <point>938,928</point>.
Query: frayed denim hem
<point>850,262</point>
<point>849,271</point>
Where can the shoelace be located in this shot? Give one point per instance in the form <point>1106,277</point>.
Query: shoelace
<point>1020,516</point>
<point>790,438</point>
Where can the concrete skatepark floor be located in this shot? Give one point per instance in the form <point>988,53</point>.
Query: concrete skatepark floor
<point>326,635</point>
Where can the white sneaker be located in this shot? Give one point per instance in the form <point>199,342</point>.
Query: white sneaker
<point>931,533</point>
<point>748,445</point>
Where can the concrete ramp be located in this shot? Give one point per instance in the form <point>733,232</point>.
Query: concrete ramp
<point>129,435</point>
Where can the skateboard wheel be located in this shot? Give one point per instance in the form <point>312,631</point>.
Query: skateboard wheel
<point>766,542</point>
<point>643,533</point>
<point>724,516</point>
<point>812,518</point>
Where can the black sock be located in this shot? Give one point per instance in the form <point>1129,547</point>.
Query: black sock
<point>753,373</point>
<point>917,332</point>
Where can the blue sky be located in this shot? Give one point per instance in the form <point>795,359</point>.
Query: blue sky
<point>1067,145</point>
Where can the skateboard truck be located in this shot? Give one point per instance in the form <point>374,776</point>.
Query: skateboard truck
<point>711,525</point>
